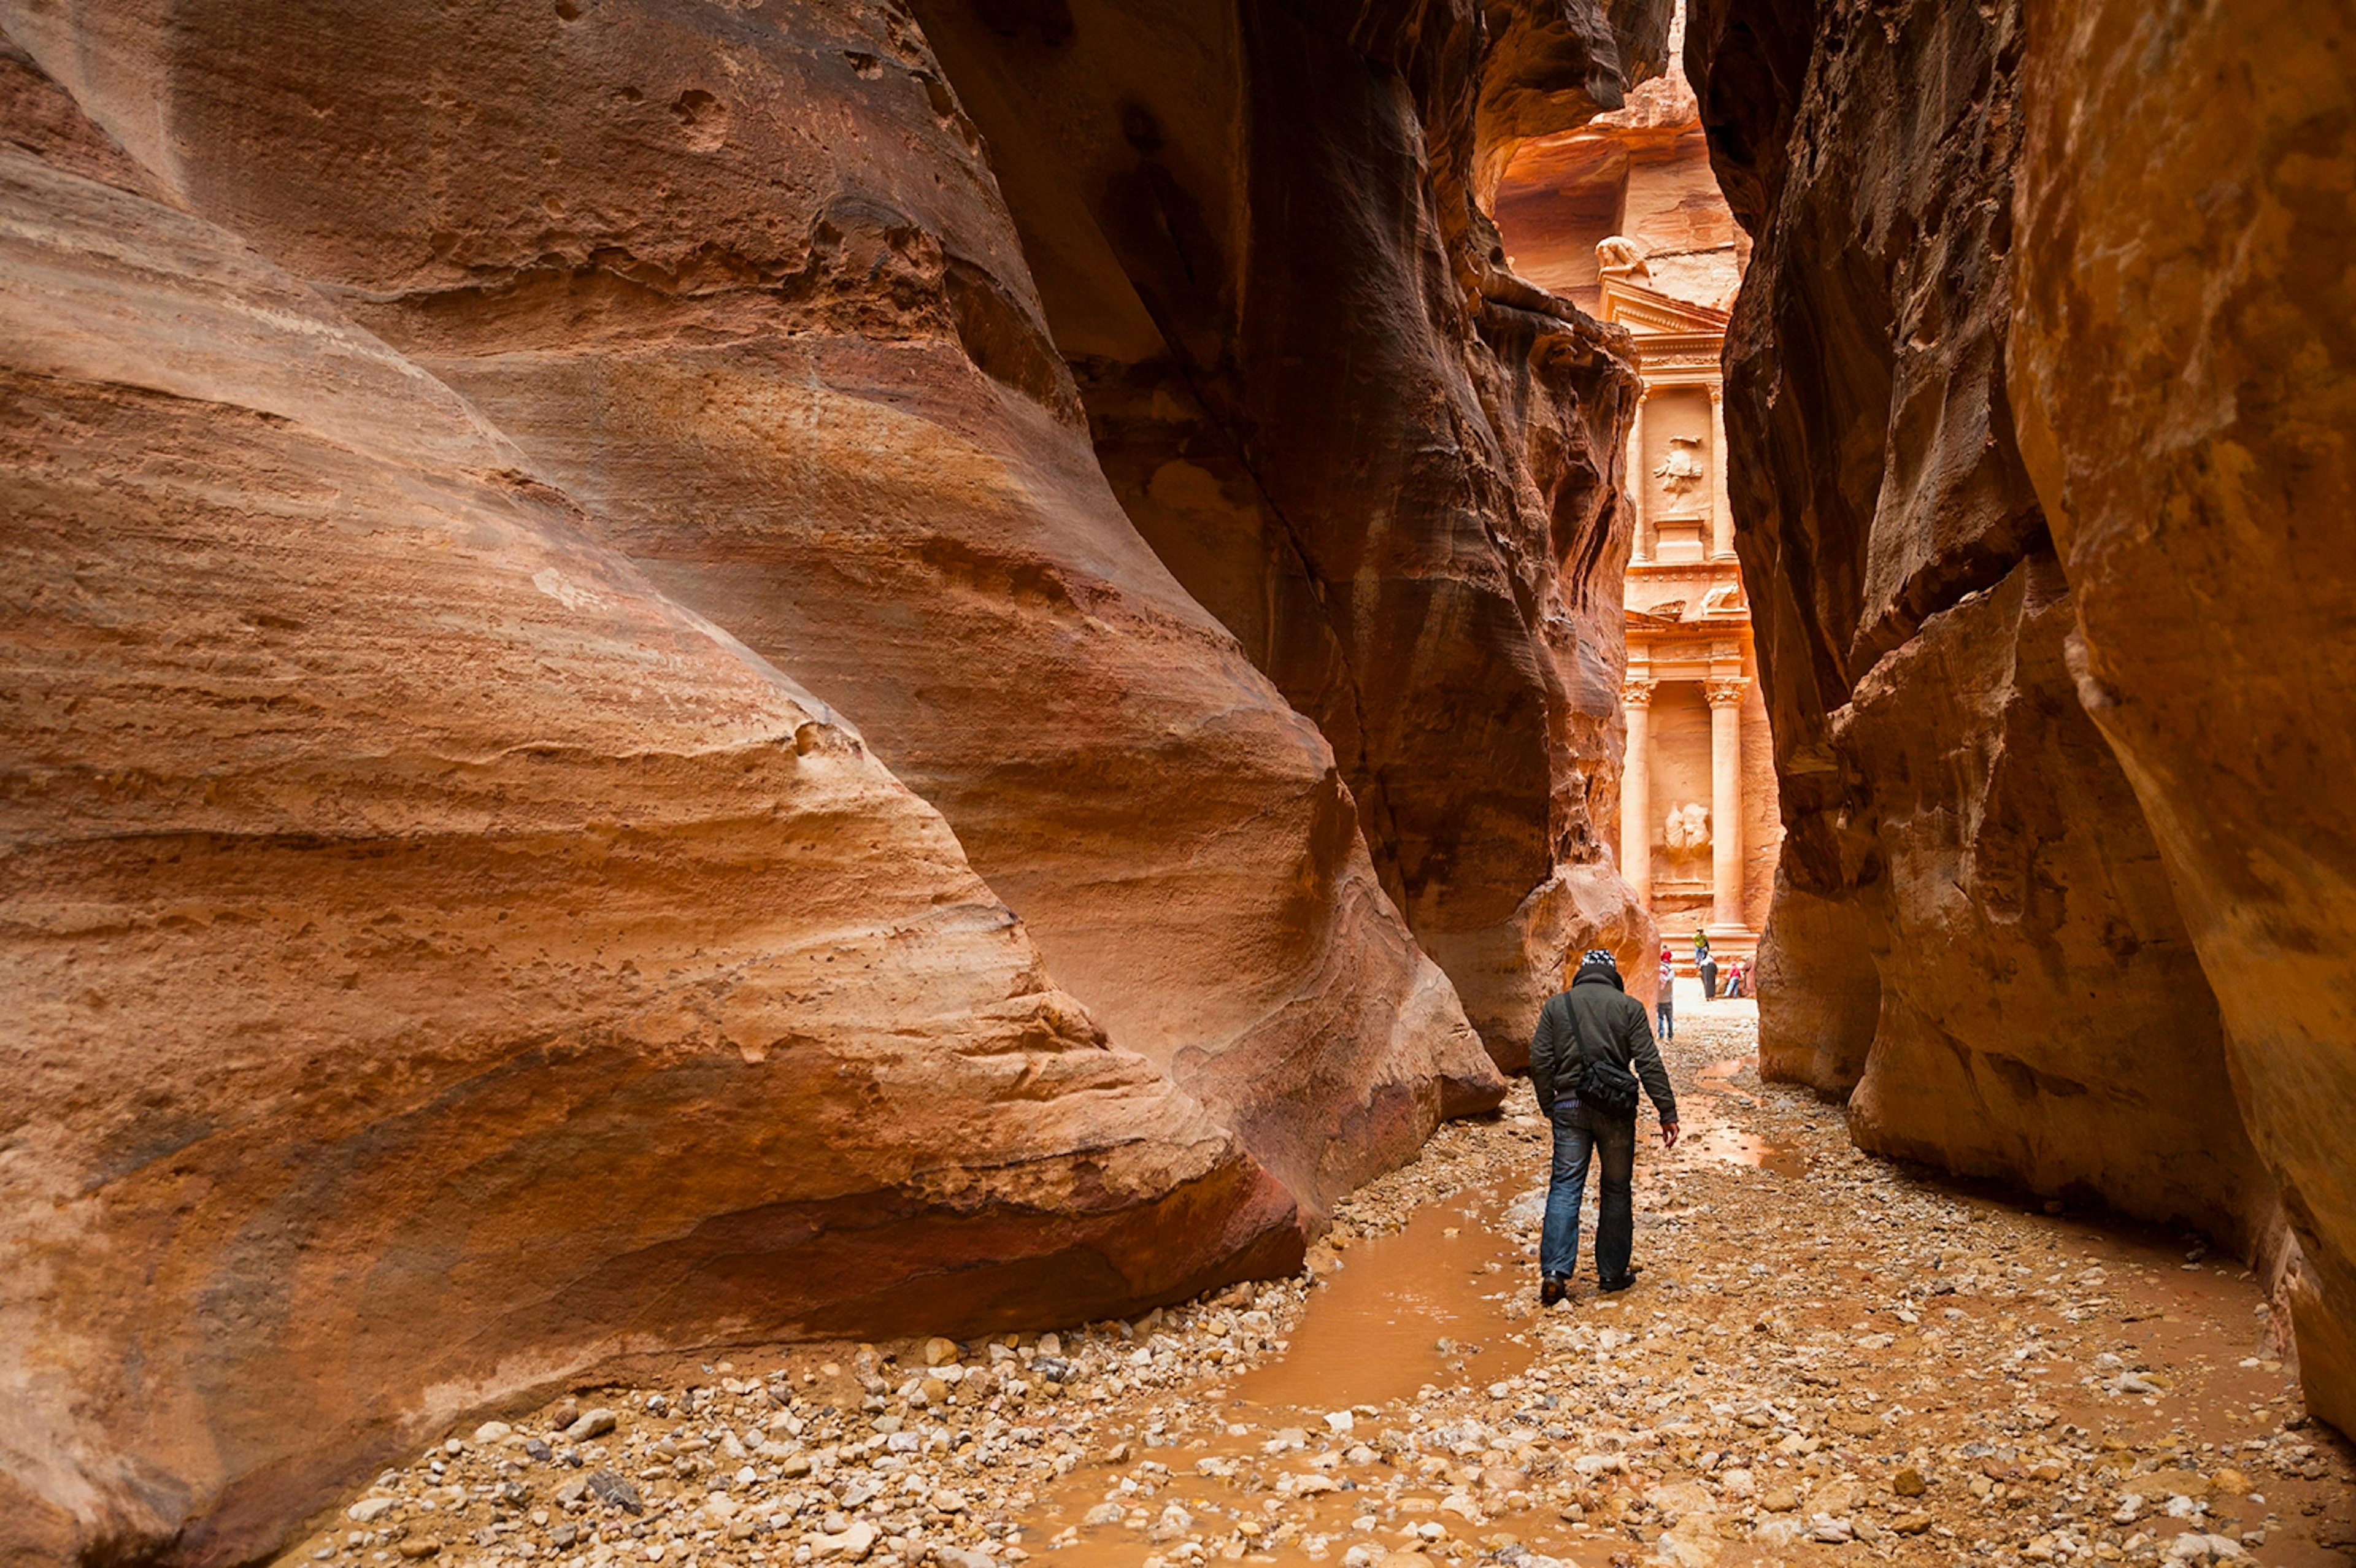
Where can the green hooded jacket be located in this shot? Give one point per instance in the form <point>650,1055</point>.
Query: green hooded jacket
<point>1612,1023</point>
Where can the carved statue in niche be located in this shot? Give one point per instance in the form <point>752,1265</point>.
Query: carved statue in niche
<point>1617,256</point>
<point>1687,829</point>
<point>1680,473</point>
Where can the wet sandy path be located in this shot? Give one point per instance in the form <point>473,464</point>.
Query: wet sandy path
<point>1828,1360</point>
<point>1816,1332</point>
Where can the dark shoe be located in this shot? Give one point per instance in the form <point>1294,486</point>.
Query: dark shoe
<point>1622,1283</point>
<point>1551,1290</point>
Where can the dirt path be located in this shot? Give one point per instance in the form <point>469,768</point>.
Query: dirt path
<point>1829,1360</point>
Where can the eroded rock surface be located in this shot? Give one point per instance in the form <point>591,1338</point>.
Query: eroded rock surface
<point>2042,1014</point>
<point>437,960</point>
<point>461,938</point>
<point>742,284</point>
<point>1384,462</point>
<point>2183,346</point>
<point>2089,961</point>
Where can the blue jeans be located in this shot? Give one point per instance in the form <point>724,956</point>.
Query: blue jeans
<point>1581,1131</point>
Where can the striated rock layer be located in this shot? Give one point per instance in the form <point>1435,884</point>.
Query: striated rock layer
<point>2064,830</point>
<point>742,284</point>
<point>2183,347</point>
<point>437,961</point>
<point>1386,463</point>
<point>457,936</point>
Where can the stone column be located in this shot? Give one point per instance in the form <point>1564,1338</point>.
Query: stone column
<point>1721,514</point>
<point>1636,790</point>
<point>1639,549</point>
<point>1726,801</point>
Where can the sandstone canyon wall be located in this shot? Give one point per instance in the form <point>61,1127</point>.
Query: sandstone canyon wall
<point>2025,383</point>
<point>595,757</point>
<point>2184,345</point>
<point>740,282</point>
<point>438,960</point>
<point>1384,462</point>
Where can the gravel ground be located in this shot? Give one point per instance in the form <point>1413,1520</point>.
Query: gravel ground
<point>1829,1359</point>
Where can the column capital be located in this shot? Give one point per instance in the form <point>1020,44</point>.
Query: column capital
<point>1634,693</point>
<point>1725,691</point>
<point>1717,394</point>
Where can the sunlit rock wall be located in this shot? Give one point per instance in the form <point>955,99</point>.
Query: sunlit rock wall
<point>741,282</point>
<point>2041,369</point>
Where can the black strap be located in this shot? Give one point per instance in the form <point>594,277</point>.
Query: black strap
<point>1578,1040</point>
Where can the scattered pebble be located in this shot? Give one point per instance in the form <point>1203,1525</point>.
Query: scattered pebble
<point>1829,1359</point>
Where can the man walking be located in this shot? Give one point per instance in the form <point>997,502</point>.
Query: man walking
<point>1589,1040</point>
<point>1665,1000</point>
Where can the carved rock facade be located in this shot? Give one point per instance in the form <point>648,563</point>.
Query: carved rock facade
<point>2028,430</point>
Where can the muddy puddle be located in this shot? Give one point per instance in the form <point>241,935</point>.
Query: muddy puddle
<point>1296,1441</point>
<point>1416,1307</point>
<point>1710,1135</point>
<point>1406,1313</point>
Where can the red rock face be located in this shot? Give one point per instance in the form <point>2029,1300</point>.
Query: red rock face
<point>744,287</point>
<point>1386,463</point>
<point>352,783</point>
<point>2033,967</point>
<point>2183,352</point>
<point>2027,728</point>
<point>449,886</point>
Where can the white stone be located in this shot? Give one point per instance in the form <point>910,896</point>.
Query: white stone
<point>852,1545</point>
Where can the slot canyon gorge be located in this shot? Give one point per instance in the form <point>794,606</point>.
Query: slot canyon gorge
<point>692,679</point>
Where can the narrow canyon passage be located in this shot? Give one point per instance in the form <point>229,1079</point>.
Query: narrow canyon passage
<point>925,693</point>
<point>1830,1359</point>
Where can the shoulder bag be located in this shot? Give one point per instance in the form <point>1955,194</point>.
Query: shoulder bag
<point>1603,1082</point>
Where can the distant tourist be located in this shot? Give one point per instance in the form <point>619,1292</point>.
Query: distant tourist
<point>1709,967</point>
<point>1701,945</point>
<point>1589,1056</point>
<point>1735,974</point>
<point>1664,1001</point>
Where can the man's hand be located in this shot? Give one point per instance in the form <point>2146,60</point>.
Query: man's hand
<point>1669,1134</point>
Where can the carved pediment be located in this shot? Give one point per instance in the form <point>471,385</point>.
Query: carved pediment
<point>1644,310</point>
